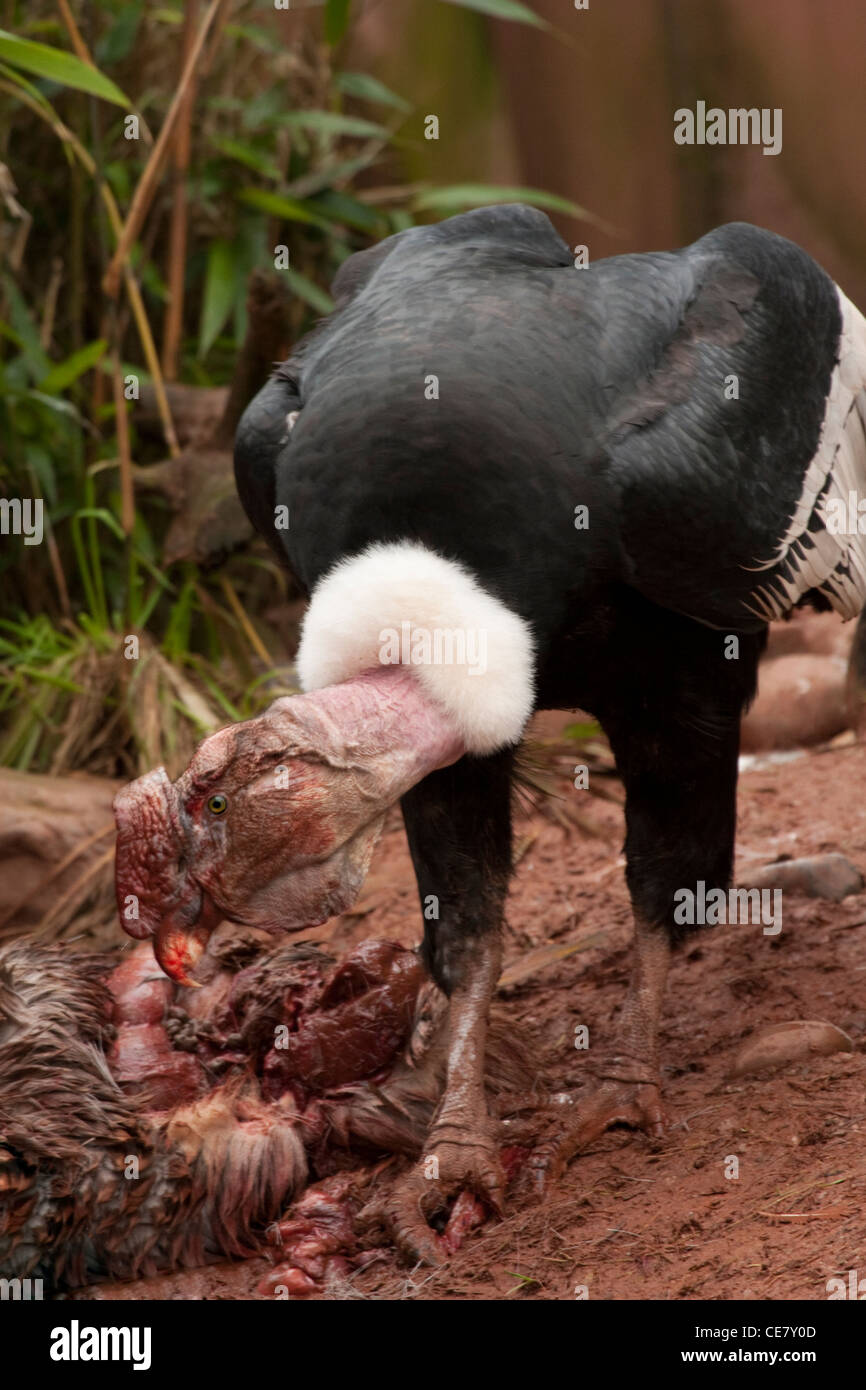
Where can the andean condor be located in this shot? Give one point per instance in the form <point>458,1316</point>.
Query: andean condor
<point>585,481</point>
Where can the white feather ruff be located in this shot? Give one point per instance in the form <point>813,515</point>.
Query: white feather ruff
<point>368,595</point>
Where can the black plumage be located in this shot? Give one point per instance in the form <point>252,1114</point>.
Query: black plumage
<point>558,386</point>
<point>686,400</point>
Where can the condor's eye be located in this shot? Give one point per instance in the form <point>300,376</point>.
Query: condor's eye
<point>218,804</point>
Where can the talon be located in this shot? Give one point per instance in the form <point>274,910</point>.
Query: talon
<point>469,1170</point>
<point>633,1103</point>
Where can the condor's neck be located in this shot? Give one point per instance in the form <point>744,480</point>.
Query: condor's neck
<point>382,720</point>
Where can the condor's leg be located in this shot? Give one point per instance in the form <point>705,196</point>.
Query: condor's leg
<point>675,736</point>
<point>458,822</point>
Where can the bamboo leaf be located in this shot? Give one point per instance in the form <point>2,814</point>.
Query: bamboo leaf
<point>116,44</point>
<point>256,35</point>
<point>340,207</point>
<point>64,373</point>
<point>335,123</point>
<point>466,195</point>
<point>59,66</point>
<point>336,20</point>
<point>316,179</point>
<point>219,293</point>
<point>367,88</point>
<point>21,322</point>
<point>248,155</point>
<point>12,76</point>
<point>100,514</point>
<point>10,335</point>
<point>57,404</point>
<point>40,460</point>
<point>503,9</point>
<point>279,205</point>
<point>308,291</point>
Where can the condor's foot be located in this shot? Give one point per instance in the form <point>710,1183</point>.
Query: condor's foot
<point>455,1159</point>
<point>626,1089</point>
<point>624,1094</point>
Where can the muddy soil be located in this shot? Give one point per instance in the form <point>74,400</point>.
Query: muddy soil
<point>636,1218</point>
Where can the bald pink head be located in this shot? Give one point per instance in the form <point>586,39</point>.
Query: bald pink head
<point>274,822</point>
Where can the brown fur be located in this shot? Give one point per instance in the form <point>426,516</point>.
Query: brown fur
<point>212,1174</point>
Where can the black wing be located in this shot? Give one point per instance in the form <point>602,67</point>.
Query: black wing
<point>727,452</point>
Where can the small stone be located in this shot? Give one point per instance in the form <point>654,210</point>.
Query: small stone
<point>817,634</point>
<point>820,876</point>
<point>786,1043</point>
<point>801,701</point>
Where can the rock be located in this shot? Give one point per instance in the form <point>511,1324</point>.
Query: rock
<point>822,876</point>
<point>193,411</point>
<point>784,1043</point>
<point>801,700</point>
<point>817,634</point>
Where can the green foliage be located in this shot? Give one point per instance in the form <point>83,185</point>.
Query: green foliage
<point>503,9</point>
<point>367,88</point>
<point>580,732</point>
<point>41,430</point>
<point>62,68</point>
<point>336,19</point>
<point>62,374</point>
<point>220,293</point>
<point>287,151</point>
<point>459,197</point>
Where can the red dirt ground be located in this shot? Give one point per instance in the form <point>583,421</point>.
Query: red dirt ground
<point>635,1218</point>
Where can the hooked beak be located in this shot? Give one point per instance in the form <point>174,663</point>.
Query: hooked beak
<point>181,937</point>
<point>178,949</point>
<point>151,872</point>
